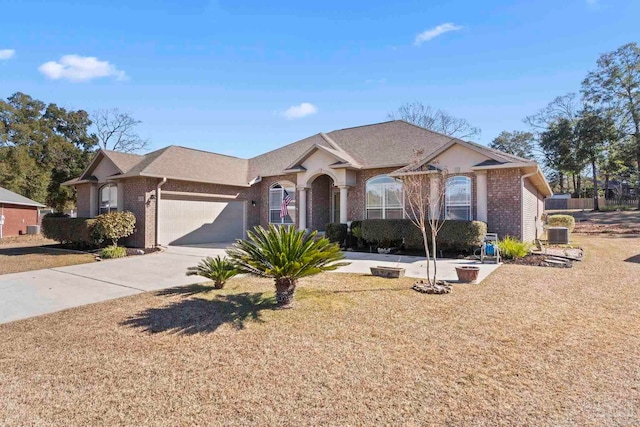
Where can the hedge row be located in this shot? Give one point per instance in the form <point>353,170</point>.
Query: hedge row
<point>84,232</point>
<point>76,231</point>
<point>454,235</point>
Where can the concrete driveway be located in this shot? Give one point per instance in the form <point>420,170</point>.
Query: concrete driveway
<point>33,293</point>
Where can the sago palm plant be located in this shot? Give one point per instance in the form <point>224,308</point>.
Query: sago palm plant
<point>285,255</point>
<point>217,269</point>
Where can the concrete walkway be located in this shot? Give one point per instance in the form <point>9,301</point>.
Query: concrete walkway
<point>414,266</point>
<point>34,293</point>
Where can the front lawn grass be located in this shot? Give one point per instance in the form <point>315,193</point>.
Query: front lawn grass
<point>17,259</point>
<point>528,346</point>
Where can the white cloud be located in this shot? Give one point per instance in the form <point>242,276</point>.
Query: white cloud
<point>7,53</point>
<point>434,32</point>
<point>299,111</point>
<point>78,68</point>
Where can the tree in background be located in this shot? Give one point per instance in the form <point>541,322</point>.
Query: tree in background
<point>560,149</point>
<point>116,131</point>
<point>518,143</point>
<point>595,131</point>
<point>436,120</point>
<point>42,146</point>
<point>615,84</point>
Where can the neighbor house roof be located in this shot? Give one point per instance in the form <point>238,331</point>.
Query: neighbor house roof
<point>11,198</point>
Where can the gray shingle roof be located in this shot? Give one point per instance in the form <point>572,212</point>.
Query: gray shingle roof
<point>387,144</point>
<point>12,198</point>
<point>188,164</point>
<point>123,161</point>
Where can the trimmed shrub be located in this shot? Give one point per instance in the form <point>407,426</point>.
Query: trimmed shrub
<point>385,232</point>
<point>217,269</point>
<point>462,235</point>
<point>114,226</point>
<point>75,231</point>
<point>336,233</point>
<point>113,252</point>
<point>454,235</point>
<point>512,248</point>
<point>562,221</point>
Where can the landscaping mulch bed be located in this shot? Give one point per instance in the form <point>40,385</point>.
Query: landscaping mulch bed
<point>533,260</point>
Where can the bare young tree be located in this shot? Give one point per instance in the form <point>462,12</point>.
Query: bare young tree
<point>116,131</point>
<point>436,120</point>
<point>424,190</point>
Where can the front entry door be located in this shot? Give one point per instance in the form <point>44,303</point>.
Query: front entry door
<point>335,206</point>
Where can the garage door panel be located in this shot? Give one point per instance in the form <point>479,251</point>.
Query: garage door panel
<point>184,222</point>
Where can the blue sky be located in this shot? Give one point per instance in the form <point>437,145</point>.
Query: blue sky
<point>221,75</point>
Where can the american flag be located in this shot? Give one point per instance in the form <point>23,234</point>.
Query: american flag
<point>286,199</point>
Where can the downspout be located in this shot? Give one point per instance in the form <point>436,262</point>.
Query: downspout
<point>158,193</point>
<point>522,178</point>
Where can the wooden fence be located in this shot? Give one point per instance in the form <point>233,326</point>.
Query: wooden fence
<point>586,204</point>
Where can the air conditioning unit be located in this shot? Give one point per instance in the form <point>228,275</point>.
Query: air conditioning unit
<point>558,235</point>
<point>33,229</point>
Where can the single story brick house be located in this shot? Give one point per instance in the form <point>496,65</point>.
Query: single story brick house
<point>185,196</point>
<point>16,212</point>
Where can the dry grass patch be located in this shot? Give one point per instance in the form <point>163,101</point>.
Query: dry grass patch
<point>17,259</point>
<point>529,346</point>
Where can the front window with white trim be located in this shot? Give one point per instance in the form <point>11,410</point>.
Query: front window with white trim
<point>458,198</point>
<point>278,212</point>
<point>108,198</point>
<point>385,198</point>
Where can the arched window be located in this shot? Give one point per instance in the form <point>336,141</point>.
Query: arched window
<point>458,198</point>
<point>282,203</point>
<point>108,198</point>
<point>385,198</point>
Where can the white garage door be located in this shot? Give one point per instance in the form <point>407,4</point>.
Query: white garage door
<point>188,221</point>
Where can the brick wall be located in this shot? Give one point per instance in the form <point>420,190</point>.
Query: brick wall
<point>137,192</point>
<point>504,209</point>
<point>16,218</point>
<point>83,197</point>
<point>261,210</point>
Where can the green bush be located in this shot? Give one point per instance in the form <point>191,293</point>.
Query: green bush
<point>512,248</point>
<point>114,226</point>
<point>356,234</point>
<point>385,232</point>
<point>285,255</point>
<point>217,269</point>
<point>74,231</point>
<point>336,232</point>
<point>113,252</point>
<point>454,235</point>
<point>562,221</point>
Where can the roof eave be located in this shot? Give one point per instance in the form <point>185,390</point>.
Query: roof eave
<point>34,204</point>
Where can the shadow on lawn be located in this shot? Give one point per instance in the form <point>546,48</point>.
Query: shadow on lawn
<point>635,259</point>
<point>199,315</point>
